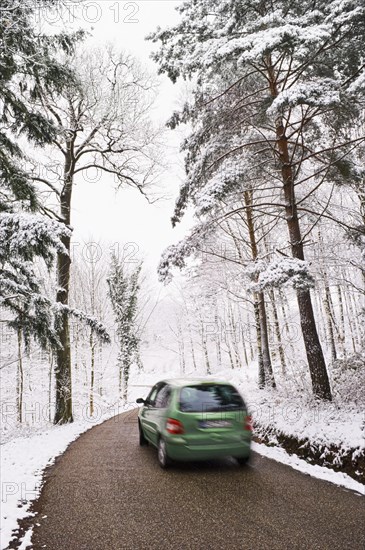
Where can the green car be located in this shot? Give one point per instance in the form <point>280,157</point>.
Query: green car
<point>195,420</point>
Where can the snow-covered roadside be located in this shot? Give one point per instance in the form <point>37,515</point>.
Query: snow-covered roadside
<point>23,461</point>
<point>313,470</point>
<point>300,415</point>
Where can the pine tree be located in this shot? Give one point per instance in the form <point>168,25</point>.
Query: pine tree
<point>291,75</point>
<point>29,67</point>
<point>123,292</point>
<point>26,238</point>
<point>27,62</point>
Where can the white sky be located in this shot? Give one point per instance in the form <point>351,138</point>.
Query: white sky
<point>99,212</point>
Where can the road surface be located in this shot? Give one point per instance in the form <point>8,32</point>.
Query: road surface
<point>107,493</point>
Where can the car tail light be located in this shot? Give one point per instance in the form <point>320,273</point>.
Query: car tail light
<point>247,424</point>
<point>174,426</point>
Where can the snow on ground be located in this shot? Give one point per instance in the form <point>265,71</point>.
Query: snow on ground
<point>23,461</point>
<point>298,414</point>
<point>320,472</point>
<point>24,458</point>
<point>27,540</point>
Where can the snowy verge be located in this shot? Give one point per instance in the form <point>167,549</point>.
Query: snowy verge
<point>330,434</point>
<point>320,472</point>
<point>347,460</point>
<point>23,461</point>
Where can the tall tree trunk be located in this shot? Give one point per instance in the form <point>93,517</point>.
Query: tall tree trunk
<point>283,302</point>
<point>330,333</point>
<point>233,332</point>
<point>204,347</point>
<point>181,349</point>
<point>120,379</point>
<point>218,343</point>
<point>278,333</point>
<point>230,355</point>
<point>266,375</point>
<point>328,304</point>
<point>126,369</point>
<point>276,321</point>
<point>63,411</point>
<point>321,316</point>
<point>75,338</point>
<point>315,357</point>
<point>262,374</point>
<point>349,321</point>
<point>92,373</point>
<point>92,342</point>
<point>20,378</point>
<point>192,350</point>
<point>269,374</point>
<point>252,355</point>
<point>360,190</point>
<point>355,315</point>
<point>227,332</point>
<point>51,355</point>
<point>342,329</point>
<point>242,334</point>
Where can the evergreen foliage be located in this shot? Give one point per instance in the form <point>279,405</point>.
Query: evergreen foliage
<point>28,63</point>
<point>278,87</point>
<point>123,292</point>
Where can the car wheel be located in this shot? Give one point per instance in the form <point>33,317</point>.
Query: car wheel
<point>163,459</point>
<point>243,460</point>
<point>142,440</point>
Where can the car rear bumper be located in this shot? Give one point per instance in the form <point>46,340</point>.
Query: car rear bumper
<point>179,449</point>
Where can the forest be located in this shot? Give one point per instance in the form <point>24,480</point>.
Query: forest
<point>268,285</point>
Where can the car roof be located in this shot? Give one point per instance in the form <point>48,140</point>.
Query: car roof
<point>180,382</point>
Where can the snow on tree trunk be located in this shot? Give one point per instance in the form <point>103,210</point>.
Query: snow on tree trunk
<point>342,329</point>
<point>203,337</point>
<point>260,360</point>
<point>266,376</point>
<point>92,372</point>
<point>278,333</point>
<point>243,338</point>
<point>315,357</point>
<point>330,333</point>
<point>20,377</point>
<point>63,406</point>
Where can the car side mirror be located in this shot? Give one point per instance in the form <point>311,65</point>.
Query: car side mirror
<point>140,400</point>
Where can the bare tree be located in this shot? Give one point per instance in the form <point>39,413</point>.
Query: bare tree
<point>89,293</point>
<point>103,126</point>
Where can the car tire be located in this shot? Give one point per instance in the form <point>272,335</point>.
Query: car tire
<point>142,440</point>
<point>162,456</point>
<point>243,460</point>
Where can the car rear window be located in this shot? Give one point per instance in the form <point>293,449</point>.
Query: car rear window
<point>210,398</point>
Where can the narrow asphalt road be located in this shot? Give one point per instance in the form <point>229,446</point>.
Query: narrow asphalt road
<point>107,493</point>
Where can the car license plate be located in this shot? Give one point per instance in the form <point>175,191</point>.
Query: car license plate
<point>214,424</point>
